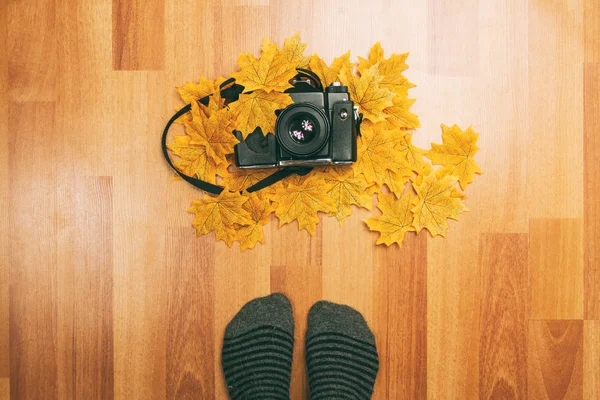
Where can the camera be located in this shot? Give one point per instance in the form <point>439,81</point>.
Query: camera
<point>318,128</point>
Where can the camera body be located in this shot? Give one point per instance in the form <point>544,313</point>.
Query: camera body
<point>319,128</point>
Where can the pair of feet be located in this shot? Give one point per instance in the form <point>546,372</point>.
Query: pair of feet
<point>341,356</point>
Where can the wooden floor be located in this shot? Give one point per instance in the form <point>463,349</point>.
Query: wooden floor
<point>105,292</point>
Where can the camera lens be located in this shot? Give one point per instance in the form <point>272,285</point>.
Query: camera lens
<point>302,129</point>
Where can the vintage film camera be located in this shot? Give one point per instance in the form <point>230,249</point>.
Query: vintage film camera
<point>319,128</point>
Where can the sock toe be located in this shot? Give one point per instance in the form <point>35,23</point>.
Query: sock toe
<point>325,316</point>
<point>341,355</point>
<point>273,310</point>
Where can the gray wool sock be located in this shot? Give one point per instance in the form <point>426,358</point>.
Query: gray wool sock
<point>258,348</point>
<point>341,356</point>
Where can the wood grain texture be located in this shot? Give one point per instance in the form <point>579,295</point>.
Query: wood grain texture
<point>504,305</point>
<point>347,261</point>
<point>505,122</point>
<point>591,206</point>
<point>453,313</point>
<point>105,292</point>
<point>85,101</point>
<point>32,253</point>
<point>138,35</point>
<point>400,286</point>
<point>31,42</point>
<point>239,278</point>
<point>591,360</point>
<point>591,22</point>
<point>556,268</point>
<point>555,123</point>
<point>555,359</point>
<point>4,388</point>
<point>190,338</point>
<point>140,273</point>
<point>285,279</point>
<point>84,221</point>
<point>453,36</point>
<point>301,284</point>
<point>298,275</point>
<point>4,217</point>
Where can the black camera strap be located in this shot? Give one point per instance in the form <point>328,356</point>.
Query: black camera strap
<point>230,93</point>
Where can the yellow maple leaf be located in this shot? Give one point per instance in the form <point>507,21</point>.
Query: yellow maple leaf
<point>214,132</point>
<point>376,153</point>
<point>192,92</point>
<point>239,179</point>
<point>346,190</point>
<point>418,178</point>
<point>395,220</point>
<point>302,202</point>
<point>223,215</point>
<point>412,155</point>
<point>367,93</point>
<point>272,71</point>
<point>390,69</point>
<point>396,180</point>
<point>456,153</point>
<point>375,56</point>
<point>293,52</point>
<point>260,210</point>
<point>435,203</point>
<point>328,74</point>
<point>257,109</point>
<point>399,115</point>
<point>194,160</point>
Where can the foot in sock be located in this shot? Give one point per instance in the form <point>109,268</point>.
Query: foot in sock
<point>258,348</point>
<point>341,356</point>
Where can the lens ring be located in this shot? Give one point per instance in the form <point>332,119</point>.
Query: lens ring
<point>302,147</point>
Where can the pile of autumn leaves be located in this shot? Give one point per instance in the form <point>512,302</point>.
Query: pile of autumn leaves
<point>412,196</point>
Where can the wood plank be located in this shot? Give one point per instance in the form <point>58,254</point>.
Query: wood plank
<point>138,35</point>
<point>504,304</point>
<point>591,360</point>
<point>86,97</point>
<point>239,278</point>
<point>4,388</point>
<point>32,58</point>
<point>591,22</point>
<point>400,318</point>
<point>555,359</point>
<point>302,285</point>
<point>190,337</point>
<point>193,29</point>
<point>296,271</point>
<point>591,222</point>
<point>453,312</point>
<point>140,275</point>
<point>556,268</point>
<point>4,202</point>
<point>555,109</point>
<point>348,262</point>
<point>451,36</point>
<point>255,17</point>
<point>84,286</point>
<point>503,102</point>
<point>32,253</point>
